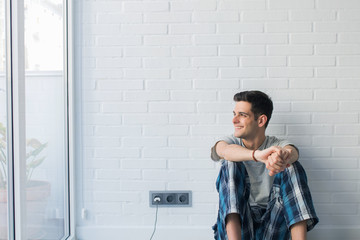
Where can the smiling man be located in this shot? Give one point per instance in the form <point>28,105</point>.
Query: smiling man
<point>263,191</point>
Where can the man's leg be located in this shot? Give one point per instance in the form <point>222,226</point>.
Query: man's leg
<point>298,231</point>
<point>233,226</point>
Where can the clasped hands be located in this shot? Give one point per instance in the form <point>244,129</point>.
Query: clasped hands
<point>275,158</point>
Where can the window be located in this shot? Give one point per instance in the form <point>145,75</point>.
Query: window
<point>35,120</point>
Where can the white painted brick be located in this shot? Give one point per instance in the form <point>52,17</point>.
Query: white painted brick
<point>215,84</point>
<point>348,129</point>
<point>321,197</point>
<point>191,164</point>
<point>336,27</point>
<point>319,106</point>
<point>350,106</point>
<point>193,5</point>
<point>144,163</point>
<point>312,38</point>
<point>299,141</point>
<point>120,84</point>
<point>349,37</point>
<point>313,83</point>
<point>213,39</point>
<point>242,72</point>
<point>338,4</point>
<point>201,175</point>
<point>140,96</point>
<point>102,142</point>
<point>124,107</point>
<point>117,131</point>
<point>275,50</point>
<point>117,152</point>
<point>166,130</point>
<point>98,96</point>
<point>102,119</point>
<point>171,107</point>
<point>144,29</point>
<point>290,118</point>
<point>102,6</point>
<point>291,4</point>
<point>145,6</point>
<point>144,141</point>
<point>215,62</point>
<point>347,152</point>
<point>290,72</point>
<point>288,27</point>
<point>216,17</point>
<point>113,18</point>
<point>142,185</point>
<point>201,153</point>
<point>318,174</point>
<point>166,62</point>
<point>115,62</point>
<point>349,15</point>
<point>102,51</point>
<point>240,27</point>
<point>242,5</point>
<point>336,94</point>
<point>310,129</point>
<point>263,61</point>
<point>92,107</point>
<point>311,61</point>
<point>349,61</point>
<point>185,73</point>
<point>210,130</point>
<point>190,142</point>
<point>148,118</point>
<point>167,17</point>
<point>275,130</point>
<point>264,16</point>
<point>104,196</point>
<point>163,153</point>
<point>193,95</point>
<point>192,118</point>
<point>347,198</point>
<point>201,28</point>
<point>335,118</point>
<point>117,174</point>
<point>313,15</point>
<point>349,83</point>
<point>194,186</point>
<point>264,83</point>
<point>320,163</point>
<point>106,185</point>
<point>116,40</point>
<point>350,72</point>
<point>167,40</point>
<point>194,51</point>
<point>168,84</point>
<point>335,141</point>
<point>147,73</point>
<point>245,50</point>
<point>147,51</point>
<point>346,175</point>
<point>333,186</point>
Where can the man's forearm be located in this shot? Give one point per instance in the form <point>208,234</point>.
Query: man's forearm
<point>233,152</point>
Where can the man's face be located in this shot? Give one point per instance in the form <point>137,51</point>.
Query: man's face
<point>245,125</point>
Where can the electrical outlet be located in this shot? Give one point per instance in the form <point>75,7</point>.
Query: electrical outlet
<point>170,198</point>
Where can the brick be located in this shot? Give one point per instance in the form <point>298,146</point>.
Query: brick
<point>274,50</point>
<point>312,83</point>
<point>312,38</point>
<point>291,4</point>
<point>146,118</point>
<point>124,107</point>
<point>122,40</point>
<point>215,84</point>
<point>240,27</point>
<point>144,163</point>
<point>108,6</point>
<point>193,5</point>
<point>146,6</point>
<point>117,131</point>
<point>147,51</point>
<point>318,174</point>
<point>349,61</point>
<point>141,185</point>
<point>290,118</point>
<point>98,95</point>
<point>335,141</point>
<point>318,163</point>
<point>205,39</point>
<point>347,197</point>
<point>216,17</point>
<point>102,52</point>
<point>335,118</point>
<point>310,129</point>
<point>246,50</point>
<point>349,15</point>
<point>194,51</point>
<point>268,38</point>
<point>117,174</point>
<point>167,17</point>
<point>190,142</point>
<point>191,164</point>
<point>333,186</point>
<point>265,83</point>
<point>210,130</point>
<point>215,61</point>
<point>264,16</point>
<point>163,153</point>
<point>118,62</point>
<point>288,27</point>
<point>167,40</point>
<point>347,106</point>
<point>102,119</point>
<point>144,29</point>
<point>117,18</point>
<point>318,106</point>
<point>166,62</point>
<point>201,28</point>
<point>336,94</point>
<point>101,142</point>
<point>117,152</point>
<point>193,95</point>
<point>349,83</point>
<point>348,129</point>
<point>192,118</point>
<point>218,107</point>
<point>263,61</point>
<point>172,107</point>
<point>346,175</point>
<point>275,130</point>
<point>185,73</point>
<point>313,15</point>
<point>242,5</point>
<point>336,27</point>
<point>338,4</point>
<point>140,96</point>
<point>312,61</point>
<point>350,72</point>
<point>168,84</point>
<point>290,72</point>
<point>242,72</point>
<point>120,85</point>
<point>147,73</point>
<point>347,152</point>
<point>349,37</point>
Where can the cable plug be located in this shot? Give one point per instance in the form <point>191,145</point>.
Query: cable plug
<point>157,199</point>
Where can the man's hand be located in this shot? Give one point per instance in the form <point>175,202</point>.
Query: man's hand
<point>275,158</point>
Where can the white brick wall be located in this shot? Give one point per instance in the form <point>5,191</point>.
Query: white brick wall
<point>157,81</point>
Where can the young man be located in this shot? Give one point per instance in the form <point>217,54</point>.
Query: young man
<point>263,191</point>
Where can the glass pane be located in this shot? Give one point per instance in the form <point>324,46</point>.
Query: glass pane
<point>3,131</point>
<point>45,97</point>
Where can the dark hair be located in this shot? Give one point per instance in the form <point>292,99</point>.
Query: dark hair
<point>260,103</point>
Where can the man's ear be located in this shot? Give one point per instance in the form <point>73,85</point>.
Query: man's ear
<point>262,119</point>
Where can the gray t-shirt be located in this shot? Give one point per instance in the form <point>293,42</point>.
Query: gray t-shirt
<point>260,181</point>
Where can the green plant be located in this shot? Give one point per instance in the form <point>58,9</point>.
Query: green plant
<point>33,158</point>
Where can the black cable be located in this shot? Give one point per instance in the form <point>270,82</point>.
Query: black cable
<point>157,206</point>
